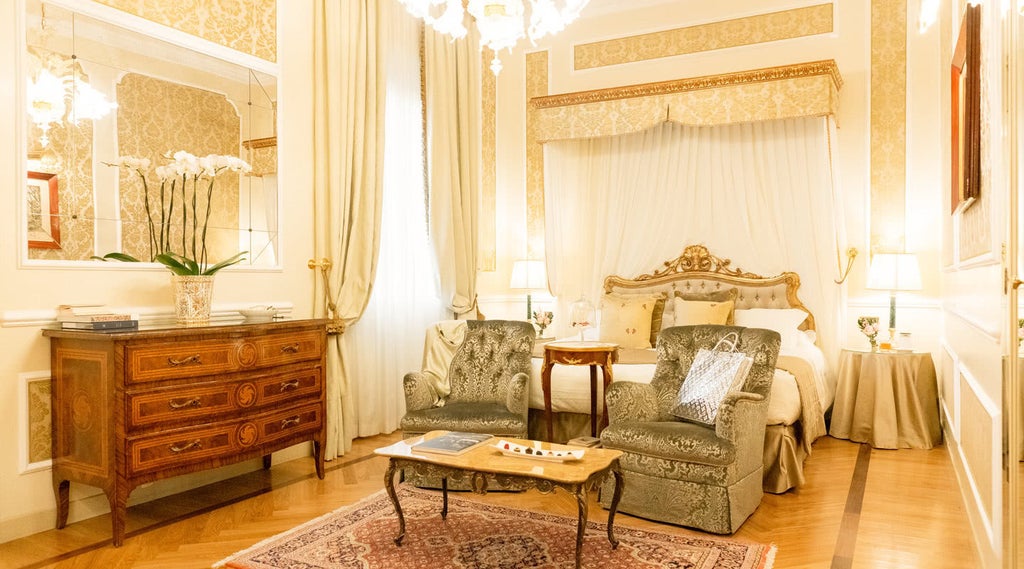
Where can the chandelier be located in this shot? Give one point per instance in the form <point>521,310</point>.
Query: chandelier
<point>502,23</point>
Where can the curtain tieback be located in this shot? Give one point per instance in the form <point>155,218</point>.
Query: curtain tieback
<point>335,325</point>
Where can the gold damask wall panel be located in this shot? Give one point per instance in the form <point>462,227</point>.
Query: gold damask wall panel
<point>783,25</point>
<point>154,117</point>
<point>976,437</point>
<point>807,89</point>
<point>248,26</point>
<point>888,125</point>
<point>536,86</point>
<point>65,157</point>
<point>38,391</point>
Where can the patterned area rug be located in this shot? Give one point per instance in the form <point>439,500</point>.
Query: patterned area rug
<point>477,535</point>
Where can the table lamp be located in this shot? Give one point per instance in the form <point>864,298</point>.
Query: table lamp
<point>893,272</point>
<point>529,275</point>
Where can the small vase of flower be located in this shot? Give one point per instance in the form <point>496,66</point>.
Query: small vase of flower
<point>1020,335</point>
<point>869,327</point>
<point>542,318</point>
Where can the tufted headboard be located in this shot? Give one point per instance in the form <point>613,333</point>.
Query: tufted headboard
<point>697,270</point>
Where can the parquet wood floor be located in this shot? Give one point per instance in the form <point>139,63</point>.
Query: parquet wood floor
<point>899,509</point>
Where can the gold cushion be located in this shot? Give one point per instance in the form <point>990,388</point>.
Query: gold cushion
<point>696,312</point>
<point>723,295</point>
<point>626,318</point>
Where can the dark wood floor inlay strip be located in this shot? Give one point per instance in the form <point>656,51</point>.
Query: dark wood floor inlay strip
<point>842,557</point>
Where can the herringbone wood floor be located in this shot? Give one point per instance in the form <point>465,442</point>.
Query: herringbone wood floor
<point>904,512</point>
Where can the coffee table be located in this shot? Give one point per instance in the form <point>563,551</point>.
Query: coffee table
<point>486,463</point>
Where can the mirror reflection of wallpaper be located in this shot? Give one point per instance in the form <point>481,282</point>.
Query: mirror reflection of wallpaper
<point>69,156</point>
<point>155,117</point>
<point>249,26</point>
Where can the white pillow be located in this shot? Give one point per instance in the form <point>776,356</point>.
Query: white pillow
<point>782,320</point>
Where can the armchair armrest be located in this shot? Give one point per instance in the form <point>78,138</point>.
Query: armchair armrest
<point>631,401</point>
<point>418,393</point>
<point>740,415</point>
<point>517,399</point>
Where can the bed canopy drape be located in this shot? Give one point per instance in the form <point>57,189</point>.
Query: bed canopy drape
<point>752,177</point>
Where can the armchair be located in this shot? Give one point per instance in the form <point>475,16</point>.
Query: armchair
<point>705,477</point>
<point>488,378</point>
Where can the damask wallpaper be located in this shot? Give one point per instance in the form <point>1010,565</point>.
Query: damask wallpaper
<point>888,125</point>
<point>64,156</point>
<point>536,86</point>
<point>248,26</point>
<point>155,117</point>
<point>782,25</point>
<point>38,391</point>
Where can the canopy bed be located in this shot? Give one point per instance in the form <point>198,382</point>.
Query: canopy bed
<point>802,388</point>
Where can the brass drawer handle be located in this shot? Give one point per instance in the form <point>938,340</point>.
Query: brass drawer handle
<point>188,446</point>
<point>179,404</point>
<point>193,359</point>
<point>290,421</point>
<point>290,349</point>
<point>286,385</point>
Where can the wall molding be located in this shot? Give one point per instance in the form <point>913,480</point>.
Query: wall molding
<point>993,335</point>
<point>147,315</point>
<point>991,521</point>
<point>24,422</point>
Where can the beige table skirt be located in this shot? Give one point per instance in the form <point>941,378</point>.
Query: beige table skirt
<point>888,400</point>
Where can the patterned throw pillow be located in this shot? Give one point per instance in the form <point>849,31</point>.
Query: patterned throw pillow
<point>626,319</point>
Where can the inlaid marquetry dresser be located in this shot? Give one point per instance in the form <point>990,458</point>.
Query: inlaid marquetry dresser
<point>142,405</point>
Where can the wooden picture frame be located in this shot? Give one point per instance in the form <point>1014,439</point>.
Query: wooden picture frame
<point>965,117</point>
<point>42,203</point>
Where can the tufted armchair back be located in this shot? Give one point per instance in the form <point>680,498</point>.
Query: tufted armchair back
<point>677,346</point>
<point>491,354</point>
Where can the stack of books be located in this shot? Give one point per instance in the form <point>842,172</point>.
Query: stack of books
<point>93,317</point>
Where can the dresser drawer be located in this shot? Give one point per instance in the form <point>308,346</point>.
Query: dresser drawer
<point>281,349</point>
<point>221,441</point>
<point>211,399</point>
<point>158,362</point>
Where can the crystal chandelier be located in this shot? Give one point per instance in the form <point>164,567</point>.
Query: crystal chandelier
<point>56,89</point>
<point>502,23</point>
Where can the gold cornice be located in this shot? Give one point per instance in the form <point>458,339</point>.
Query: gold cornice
<point>809,69</point>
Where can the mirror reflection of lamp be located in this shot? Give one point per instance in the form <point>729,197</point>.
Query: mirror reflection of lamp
<point>894,272</point>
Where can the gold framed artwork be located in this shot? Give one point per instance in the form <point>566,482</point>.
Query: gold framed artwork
<point>42,205</point>
<point>965,117</point>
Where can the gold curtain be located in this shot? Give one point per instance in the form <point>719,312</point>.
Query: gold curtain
<point>454,127</point>
<point>348,156</point>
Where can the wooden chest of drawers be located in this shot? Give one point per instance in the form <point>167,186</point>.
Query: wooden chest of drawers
<point>133,407</point>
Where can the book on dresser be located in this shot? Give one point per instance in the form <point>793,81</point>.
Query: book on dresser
<point>453,443</point>
<point>117,324</point>
<point>89,313</point>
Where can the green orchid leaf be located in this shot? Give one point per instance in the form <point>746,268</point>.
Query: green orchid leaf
<point>177,264</point>
<point>117,257</point>
<point>225,263</point>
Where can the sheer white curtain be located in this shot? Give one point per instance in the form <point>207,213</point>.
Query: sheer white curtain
<point>387,341</point>
<point>760,194</point>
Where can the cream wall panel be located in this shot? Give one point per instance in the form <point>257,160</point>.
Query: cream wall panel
<point>28,503</point>
<point>980,433</point>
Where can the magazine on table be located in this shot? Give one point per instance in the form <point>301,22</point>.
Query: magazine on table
<point>452,443</point>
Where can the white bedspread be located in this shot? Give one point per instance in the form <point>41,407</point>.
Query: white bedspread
<point>570,385</point>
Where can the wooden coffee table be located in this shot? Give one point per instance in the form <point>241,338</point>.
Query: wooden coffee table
<point>485,463</point>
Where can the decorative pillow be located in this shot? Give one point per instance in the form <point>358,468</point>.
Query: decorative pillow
<point>723,295</point>
<point>694,312</point>
<point>712,376</point>
<point>785,321</point>
<point>626,319</point>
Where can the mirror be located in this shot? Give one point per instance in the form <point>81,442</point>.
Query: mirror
<point>97,92</point>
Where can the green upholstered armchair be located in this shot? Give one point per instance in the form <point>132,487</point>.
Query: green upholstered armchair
<point>489,379</point>
<point>686,473</point>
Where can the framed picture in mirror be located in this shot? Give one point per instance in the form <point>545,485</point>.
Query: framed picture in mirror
<point>965,119</point>
<point>42,205</point>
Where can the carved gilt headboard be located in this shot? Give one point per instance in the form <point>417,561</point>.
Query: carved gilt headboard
<point>697,270</point>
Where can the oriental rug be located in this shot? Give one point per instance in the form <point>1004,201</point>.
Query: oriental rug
<point>478,535</point>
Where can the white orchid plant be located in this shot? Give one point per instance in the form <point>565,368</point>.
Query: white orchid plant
<point>181,181</point>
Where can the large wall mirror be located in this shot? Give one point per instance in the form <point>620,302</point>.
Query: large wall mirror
<point>97,92</point>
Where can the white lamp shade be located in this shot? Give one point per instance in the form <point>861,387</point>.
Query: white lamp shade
<point>529,275</point>
<point>894,271</point>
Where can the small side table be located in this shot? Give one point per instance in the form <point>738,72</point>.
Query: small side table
<point>591,354</point>
<point>887,399</point>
